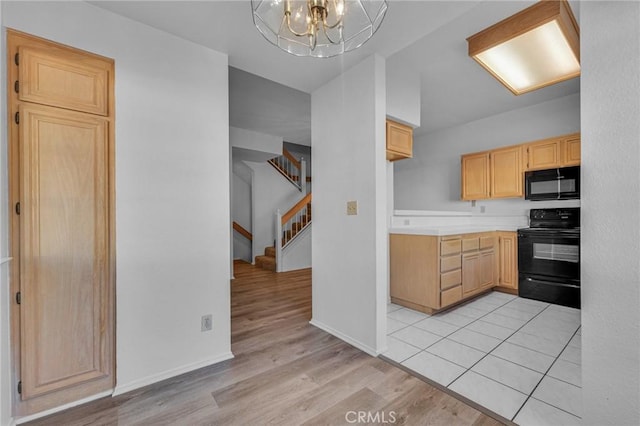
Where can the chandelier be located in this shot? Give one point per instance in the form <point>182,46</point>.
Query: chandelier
<point>318,28</point>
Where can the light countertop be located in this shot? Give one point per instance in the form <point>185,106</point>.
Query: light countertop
<point>451,230</point>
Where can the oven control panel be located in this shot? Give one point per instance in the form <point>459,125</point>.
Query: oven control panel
<point>566,218</point>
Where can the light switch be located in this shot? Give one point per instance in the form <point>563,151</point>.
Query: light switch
<point>352,208</point>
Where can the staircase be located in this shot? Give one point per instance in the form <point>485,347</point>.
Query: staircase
<point>268,260</point>
<point>293,170</point>
<point>296,219</point>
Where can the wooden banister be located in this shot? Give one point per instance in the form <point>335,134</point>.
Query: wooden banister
<point>291,158</point>
<point>295,209</point>
<point>237,227</point>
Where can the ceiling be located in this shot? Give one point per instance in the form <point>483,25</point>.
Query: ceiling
<point>428,36</point>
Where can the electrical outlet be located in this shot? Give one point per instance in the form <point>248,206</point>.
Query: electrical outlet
<point>352,208</point>
<point>206,323</point>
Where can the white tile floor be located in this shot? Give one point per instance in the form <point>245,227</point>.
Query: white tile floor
<point>519,358</point>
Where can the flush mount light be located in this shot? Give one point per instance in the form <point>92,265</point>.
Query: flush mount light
<point>319,28</point>
<point>534,48</point>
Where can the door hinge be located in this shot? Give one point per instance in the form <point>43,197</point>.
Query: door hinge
<point>16,59</point>
<point>20,388</point>
<point>19,298</point>
<point>17,117</point>
<point>16,86</point>
<point>18,208</point>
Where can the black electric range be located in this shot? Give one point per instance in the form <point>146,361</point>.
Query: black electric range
<point>549,257</point>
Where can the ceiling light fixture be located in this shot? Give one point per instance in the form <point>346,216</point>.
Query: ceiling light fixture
<point>319,28</point>
<point>534,48</point>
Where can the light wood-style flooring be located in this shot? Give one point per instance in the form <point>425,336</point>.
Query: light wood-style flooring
<point>285,372</point>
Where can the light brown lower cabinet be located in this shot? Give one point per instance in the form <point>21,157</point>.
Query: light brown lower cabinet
<point>487,268</point>
<point>470,272</point>
<point>508,261</point>
<point>429,273</point>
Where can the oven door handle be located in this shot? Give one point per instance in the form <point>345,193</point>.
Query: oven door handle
<point>552,283</point>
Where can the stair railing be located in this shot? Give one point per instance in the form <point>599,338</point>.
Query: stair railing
<point>242,231</point>
<point>292,169</point>
<point>290,225</point>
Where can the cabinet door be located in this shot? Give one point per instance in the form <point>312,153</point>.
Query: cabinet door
<point>475,176</point>
<point>399,141</point>
<point>506,172</point>
<point>470,272</point>
<point>508,255</point>
<point>571,151</point>
<point>64,249</point>
<point>543,155</point>
<point>64,79</point>
<point>487,268</point>
<point>414,274</point>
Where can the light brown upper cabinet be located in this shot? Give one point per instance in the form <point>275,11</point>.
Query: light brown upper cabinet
<point>475,176</point>
<point>499,173</point>
<point>493,174</point>
<point>506,172</point>
<point>543,154</point>
<point>399,141</point>
<point>552,153</point>
<point>63,79</point>
<point>571,151</point>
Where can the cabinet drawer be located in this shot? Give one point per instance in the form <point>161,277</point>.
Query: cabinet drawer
<point>450,263</point>
<point>450,296</point>
<point>487,242</point>
<point>449,247</point>
<point>449,279</point>
<point>470,244</point>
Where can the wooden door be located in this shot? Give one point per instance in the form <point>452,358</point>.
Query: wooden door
<point>62,223</point>
<point>508,255</point>
<point>571,151</point>
<point>64,248</point>
<point>506,172</point>
<point>470,272</point>
<point>543,155</point>
<point>475,176</point>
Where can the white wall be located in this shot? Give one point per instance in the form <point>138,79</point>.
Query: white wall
<point>172,186</point>
<point>403,92</point>
<point>431,179</point>
<point>350,252</point>
<point>241,213</point>
<point>610,54</point>
<point>255,141</point>
<point>297,255</point>
<point>269,191</point>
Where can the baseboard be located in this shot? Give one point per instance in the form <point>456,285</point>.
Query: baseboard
<point>149,380</point>
<point>24,419</point>
<point>353,342</point>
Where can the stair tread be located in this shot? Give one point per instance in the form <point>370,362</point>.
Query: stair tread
<point>266,262</point>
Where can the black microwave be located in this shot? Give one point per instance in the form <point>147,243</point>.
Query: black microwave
<point>552,184</point>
